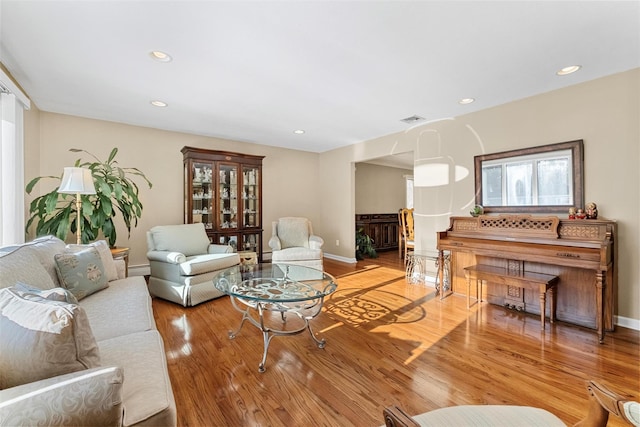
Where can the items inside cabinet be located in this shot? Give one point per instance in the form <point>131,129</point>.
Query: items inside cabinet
<point>223,190</point>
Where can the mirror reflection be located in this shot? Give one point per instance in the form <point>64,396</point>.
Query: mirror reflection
<point>548,178</point>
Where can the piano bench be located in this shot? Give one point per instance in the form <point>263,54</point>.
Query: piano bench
<point>525,280</point>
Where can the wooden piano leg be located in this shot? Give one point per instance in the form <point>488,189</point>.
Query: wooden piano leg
<point>600,286</point>
<point>553,305</point>
<point>466,274</point>
<point>543,304</point>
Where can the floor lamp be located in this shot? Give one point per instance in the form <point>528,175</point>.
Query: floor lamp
<point>77,181</point>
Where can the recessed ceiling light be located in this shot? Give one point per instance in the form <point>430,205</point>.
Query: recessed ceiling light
<point>160,56</point>
<point>465,101</point>
<point>159,103</point>
<point>568,70</point>
<point>298,131</point>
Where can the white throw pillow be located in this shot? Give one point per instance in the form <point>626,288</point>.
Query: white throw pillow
<point>42,338</point>
<point>23,266</point>
<point>109,264</point>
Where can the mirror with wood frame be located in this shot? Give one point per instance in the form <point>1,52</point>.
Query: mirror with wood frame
<point>544,179</point>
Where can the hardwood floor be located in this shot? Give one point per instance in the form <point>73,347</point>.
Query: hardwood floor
<point>387,343</point>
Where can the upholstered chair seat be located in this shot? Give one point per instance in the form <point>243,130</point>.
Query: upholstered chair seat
<point>183,263</point>
<point>293,242</point>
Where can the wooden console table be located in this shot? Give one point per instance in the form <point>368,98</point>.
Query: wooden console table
<point>524,279</point>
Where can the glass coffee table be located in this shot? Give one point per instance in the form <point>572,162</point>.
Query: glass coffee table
<point>257,291</point>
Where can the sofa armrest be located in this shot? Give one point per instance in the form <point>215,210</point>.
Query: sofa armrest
<point>166,256</point>
<point>315,242</point>
<point>274,243</point>
<point>219,249</point>
<point>89,397</point>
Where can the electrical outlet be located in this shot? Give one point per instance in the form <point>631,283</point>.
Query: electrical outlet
<point>337,242</point>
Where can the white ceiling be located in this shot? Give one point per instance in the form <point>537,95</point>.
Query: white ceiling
<point>344,71</point>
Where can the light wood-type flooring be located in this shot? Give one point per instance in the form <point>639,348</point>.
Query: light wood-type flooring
<point>387,343</point>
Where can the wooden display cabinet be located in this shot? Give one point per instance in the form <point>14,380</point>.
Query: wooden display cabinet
<point>223,190</point>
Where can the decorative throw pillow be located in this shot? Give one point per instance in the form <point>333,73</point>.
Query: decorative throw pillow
<point>82,272</point>
<point>105,255</point>
<point>293,232</point>
<point>22,265</point>
<point>55,294</point>
<point>42,338</point>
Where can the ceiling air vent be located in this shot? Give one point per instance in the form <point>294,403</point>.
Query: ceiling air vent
<point>413,119</point>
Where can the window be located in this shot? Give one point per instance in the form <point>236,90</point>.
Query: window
<point>538,179</point>
<point>12,104</point>
<point>409,191</point>
<point>528,180</point>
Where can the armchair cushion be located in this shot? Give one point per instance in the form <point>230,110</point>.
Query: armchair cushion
<point>293,232</point>
<point>188,239</point>
<point>296,254</point>
<point>205,263</point>
<point>489,415</point>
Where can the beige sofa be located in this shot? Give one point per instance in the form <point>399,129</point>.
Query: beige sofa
<point>118,371</point>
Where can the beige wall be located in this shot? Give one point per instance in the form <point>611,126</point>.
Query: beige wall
<point>604,113</point>
<point>290,182</point>
<point>379,189</point>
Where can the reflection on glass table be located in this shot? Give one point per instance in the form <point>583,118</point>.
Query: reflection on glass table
<point>258,290</point>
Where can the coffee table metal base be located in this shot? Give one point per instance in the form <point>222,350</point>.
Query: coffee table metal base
<point>305,311</point>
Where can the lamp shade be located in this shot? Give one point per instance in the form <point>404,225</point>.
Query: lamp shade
<point>77,181</point>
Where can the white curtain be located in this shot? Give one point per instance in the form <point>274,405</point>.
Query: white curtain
<point>12,194</point>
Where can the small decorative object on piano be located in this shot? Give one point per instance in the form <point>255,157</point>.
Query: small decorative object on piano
<point>477,210</point>
<point>592,210</point>
<point>572,213</point>
<point>580,214</point>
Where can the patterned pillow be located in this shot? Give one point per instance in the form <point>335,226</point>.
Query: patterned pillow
<point>105,255</point>
<point>42,338</point>
<point>82,272</point>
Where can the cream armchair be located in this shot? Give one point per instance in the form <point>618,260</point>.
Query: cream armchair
<point>183,263</point>
<point>293,242</point>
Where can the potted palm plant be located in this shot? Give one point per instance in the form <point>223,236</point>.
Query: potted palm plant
<point>55,213</point>
<point>364,245</point>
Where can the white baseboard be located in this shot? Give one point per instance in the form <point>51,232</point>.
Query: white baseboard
<point>626,322</point>
<point>340,258</point>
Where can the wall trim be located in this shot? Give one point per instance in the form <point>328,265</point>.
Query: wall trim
<point>627,322</point>
<point>340,258</point>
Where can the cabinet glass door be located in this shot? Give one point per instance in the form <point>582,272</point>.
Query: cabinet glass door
<point>228,196</point>
<point>202,194</point>
<point>251,242</point>
<point>250,197</point>
<point>228,239</point>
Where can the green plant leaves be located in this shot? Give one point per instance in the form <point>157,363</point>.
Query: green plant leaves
<point>55,213</point>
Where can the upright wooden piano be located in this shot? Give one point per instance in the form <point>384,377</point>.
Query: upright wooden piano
<point>582,253</point>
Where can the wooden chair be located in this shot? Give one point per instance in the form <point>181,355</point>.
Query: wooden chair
<point>406,236</point>
<point>602,402</point>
